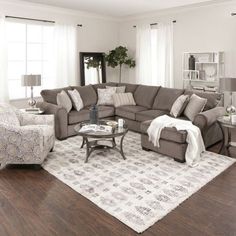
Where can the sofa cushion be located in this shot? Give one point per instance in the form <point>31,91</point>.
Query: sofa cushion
<point>88,94</point>
<point>50,95</point>
<point>165,98</point>
<point>64,101</point>
<point>103,85</point>
<point>129,112</point>
<point>213,99</point>
<point>149,115</point>
<point>144,95</point>
<point>83,115</point>
<point>76,99</point>
<point>170,134</point>
<point>129,88</point>
<point>123,99</point>
<point>105,96</point>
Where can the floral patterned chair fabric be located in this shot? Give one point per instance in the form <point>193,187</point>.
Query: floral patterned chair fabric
<point>24,138</point>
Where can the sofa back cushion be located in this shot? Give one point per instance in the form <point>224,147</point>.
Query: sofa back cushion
<point>129,88</point>
<point>213,99</point>
<point>87,93</point>
<point>103,85</point>
<point>144,95</point>
<point>165,98</point>
<point>50,95</point>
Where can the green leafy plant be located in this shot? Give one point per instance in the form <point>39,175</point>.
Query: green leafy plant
<point>94,62</point>
<point>119,57</point>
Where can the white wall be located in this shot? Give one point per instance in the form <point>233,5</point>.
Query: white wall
<point>98,34</point>
<point>206,28</point>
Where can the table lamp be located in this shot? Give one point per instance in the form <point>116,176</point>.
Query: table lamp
<point>31,81</point>
<point>229,85</point>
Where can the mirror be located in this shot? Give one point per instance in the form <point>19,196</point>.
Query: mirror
<point>92,68</point>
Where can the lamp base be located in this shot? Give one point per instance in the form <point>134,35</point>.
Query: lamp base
<point>32,103</point>
<point>230,109</point>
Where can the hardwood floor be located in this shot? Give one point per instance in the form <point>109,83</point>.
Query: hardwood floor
<point>33,202</point>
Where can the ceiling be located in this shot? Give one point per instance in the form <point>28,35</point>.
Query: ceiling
<point>119,8</point>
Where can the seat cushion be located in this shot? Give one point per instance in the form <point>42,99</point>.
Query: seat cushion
<point>149,115</point>
<point>83,115</point>
<point>88,94</point>
<point>170,134</point>
<point>165,98</point>
<point>144,95</point>
<point>213,99</point>
<point>129,112</point>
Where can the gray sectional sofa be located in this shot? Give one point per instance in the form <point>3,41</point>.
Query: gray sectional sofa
<point>151,102</point>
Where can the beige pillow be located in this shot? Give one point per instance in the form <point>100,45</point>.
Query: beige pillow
<point>179,105</point>
<point>123,99</point>
<point>76,99</point>
<point>119,89</point>
<point>64,101</point>
<point>105,96</point>
<point>196,105</point>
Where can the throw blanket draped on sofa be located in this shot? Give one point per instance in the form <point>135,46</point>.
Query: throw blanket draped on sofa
<point>194,138</point>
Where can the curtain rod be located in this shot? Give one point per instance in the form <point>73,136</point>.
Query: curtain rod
<point>174,21</point>
<point>32,19</point>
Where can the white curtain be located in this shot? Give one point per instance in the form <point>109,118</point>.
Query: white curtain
<point>4,96</point>
<point>154,54</point>
<point>65,46</point>
<point>143,54</point>
<point>165,55</point>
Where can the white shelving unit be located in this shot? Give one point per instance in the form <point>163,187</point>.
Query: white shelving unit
<point>209,67</point>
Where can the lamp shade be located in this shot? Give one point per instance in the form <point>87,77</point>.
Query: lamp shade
<point>30,80</point>
<point>228,84</point>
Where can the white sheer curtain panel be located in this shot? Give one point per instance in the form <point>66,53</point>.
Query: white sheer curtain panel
<point>4,96</point>
<point>164,66</point>
<point>65,46</point>
<point>143,54</point>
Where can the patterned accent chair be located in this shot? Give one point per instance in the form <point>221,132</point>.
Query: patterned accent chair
<point>24,138</point>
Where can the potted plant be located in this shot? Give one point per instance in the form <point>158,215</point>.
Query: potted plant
<point>94,62</point>
<point>119,57</point>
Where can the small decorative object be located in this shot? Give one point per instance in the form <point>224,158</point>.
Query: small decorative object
<point>191,62</point>
<point>93,114</point>
<point>121,123</point>
<point>119,57</point>
<point>31,81</point>
<point>229,85</point>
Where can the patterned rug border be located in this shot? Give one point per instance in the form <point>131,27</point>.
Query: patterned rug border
<point>153,220</point>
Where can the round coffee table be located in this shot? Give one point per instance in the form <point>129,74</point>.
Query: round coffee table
<point>96,137</point>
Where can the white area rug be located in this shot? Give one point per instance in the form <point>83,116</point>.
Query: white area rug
<point>138,191</point>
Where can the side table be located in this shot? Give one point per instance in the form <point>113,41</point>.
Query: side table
<point>226,127</point>
<point>36,112</point>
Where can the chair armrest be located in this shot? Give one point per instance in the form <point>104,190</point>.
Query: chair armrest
<point>31,119</point>
<point>60,116</point>
<point>205,119</point>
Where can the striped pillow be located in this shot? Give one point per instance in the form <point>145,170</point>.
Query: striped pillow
<point>123,99</point>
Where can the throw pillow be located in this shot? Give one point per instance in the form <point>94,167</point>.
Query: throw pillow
<point>120,89</point>
<point>196,105</point>
<point>64,101</point>
<point>105,96</point>
<point>123,99</point>
<point>76,99</point>
<point>179,105</point>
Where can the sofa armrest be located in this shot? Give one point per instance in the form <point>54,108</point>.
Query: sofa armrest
<point>61,118</point>
<point>205,119</point>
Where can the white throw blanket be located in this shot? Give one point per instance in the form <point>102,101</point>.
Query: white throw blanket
<point>194,138</point>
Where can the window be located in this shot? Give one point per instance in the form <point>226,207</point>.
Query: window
<point>30,51</point>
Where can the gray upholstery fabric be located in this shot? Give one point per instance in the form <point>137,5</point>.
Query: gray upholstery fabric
<point>88,94</point>
<point>50,95</point>
<point>172,149</point>
<point>103,85</point>
<point>170,134</point>
<point>213,99</point>
<point>61,118</point>
<point>207,118</point>
<point>129,88</point>
<point>83,115</point>
<point>129,111</point>
<point>144,95</point>
<point>165,98</point>
<point>149,115</point>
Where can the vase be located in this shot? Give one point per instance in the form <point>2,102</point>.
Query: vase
<point>93,115</point>
<point>191,62</point>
